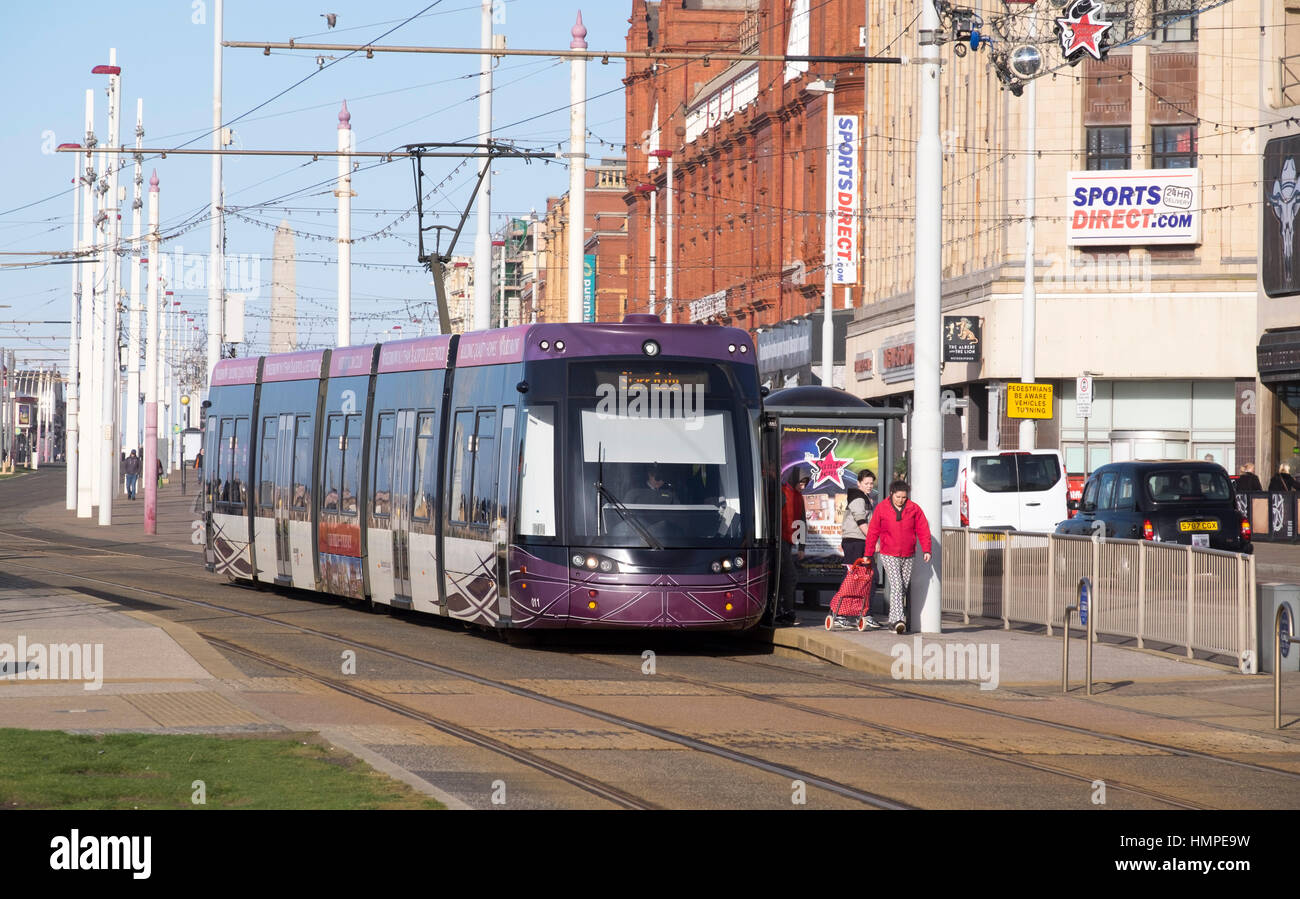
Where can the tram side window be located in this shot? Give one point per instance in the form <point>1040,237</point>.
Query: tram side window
<point>213,455</point>
<point>266,471</point>
<point>351,465</point>
<point>425,467</point>
<point>485,467</point>
<point>506,479</point>
<point>384,464</point>
<point>224,461</point>
<point>462,466</point>
<point>333,464</point>
<point>239,485</point>
<point>302,463</point>
<point>537,473</point>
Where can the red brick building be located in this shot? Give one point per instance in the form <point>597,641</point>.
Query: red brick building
<point>749,155</point>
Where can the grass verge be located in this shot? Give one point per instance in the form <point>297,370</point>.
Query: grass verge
<point>57,770</point>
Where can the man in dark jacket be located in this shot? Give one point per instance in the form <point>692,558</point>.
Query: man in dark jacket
<point>131,468</point>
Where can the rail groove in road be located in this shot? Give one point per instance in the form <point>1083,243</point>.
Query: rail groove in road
<point>1071,728</point>
<point>945,742</point>
<point>812,780</point>
<point>483,741</point>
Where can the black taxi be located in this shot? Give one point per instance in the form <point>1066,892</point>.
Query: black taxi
<point>1165,501</point>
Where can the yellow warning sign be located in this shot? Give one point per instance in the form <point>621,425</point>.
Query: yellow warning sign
<point>1029,400</point>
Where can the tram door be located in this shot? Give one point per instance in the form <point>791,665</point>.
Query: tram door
<point>403,466</point>
<point>284,497</point>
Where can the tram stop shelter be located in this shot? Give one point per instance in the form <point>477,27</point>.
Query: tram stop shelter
<point>830,435</point>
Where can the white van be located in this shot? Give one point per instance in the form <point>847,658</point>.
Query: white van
<point>1025,491</point>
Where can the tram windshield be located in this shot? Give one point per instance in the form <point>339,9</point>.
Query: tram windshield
<point>659,456</point>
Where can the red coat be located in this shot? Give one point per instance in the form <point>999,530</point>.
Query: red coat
<point>792,510</point>
<point>898,531</point>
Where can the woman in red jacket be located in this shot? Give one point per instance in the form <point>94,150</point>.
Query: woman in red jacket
<point>898,526</point>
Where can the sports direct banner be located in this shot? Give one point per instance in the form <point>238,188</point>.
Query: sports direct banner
<point>1133,207</point>
<point>845,259</point>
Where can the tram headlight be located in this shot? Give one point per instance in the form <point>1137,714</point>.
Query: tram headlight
<point>650,347</point>
<point>739,561</point>
<point>716,567</point>
<point>592,562</point>
<point>726,564</point>
<point>731,348</point>
<point>578,559</point>
<point>545,344</point>
<point>606,565</point>
<point>559,345</point>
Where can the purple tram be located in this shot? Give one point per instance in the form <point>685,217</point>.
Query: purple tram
<point>540,476</point>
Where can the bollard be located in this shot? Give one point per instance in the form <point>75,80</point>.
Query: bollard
<point>1283,616</point>
<point>1088,618</point>
<point>1065,650</point>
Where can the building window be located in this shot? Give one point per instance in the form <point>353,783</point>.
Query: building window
<point>1120,15</point>
<point>1175,21</point>
<point>1173,147</point>
<point>1108,148</point>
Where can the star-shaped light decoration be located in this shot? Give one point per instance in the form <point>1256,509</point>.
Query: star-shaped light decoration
<point>828,468</point>
<point>1081,28</point>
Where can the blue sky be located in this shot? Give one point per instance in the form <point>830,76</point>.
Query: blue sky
<point>165,50</point>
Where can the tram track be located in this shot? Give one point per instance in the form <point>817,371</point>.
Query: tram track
<point>1057,725</point>
<point>790,773</point>
<point>626,800</point>
<point>944,742</point>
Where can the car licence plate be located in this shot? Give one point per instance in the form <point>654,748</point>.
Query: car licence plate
<point>1201,540</point>
<point>1186,526</point>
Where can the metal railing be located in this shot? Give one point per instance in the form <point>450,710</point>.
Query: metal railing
<point>1201,600</point>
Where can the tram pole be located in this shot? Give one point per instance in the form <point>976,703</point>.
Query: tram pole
<point>577,170</point>
<point>131,439</point>
<point>86,428</point>
<point>150,461</point>
<point>216,262</point>
<point>344,193</point>
<point>72,397</point>
<point>482,318</point>
<point>108,393</point>
<point>925,439</point>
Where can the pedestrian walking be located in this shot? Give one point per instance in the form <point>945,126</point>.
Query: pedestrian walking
<point>794,527</point>
<point>1247,480</point>
<point>861,501</point>
<point>896,527</point>
<point>1282,481</point>
<point>131,467</point>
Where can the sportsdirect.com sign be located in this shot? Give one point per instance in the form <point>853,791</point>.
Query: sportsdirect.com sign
<point>1135,207</point>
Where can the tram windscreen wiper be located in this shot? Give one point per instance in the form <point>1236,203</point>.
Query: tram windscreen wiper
<point>621,509</point>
